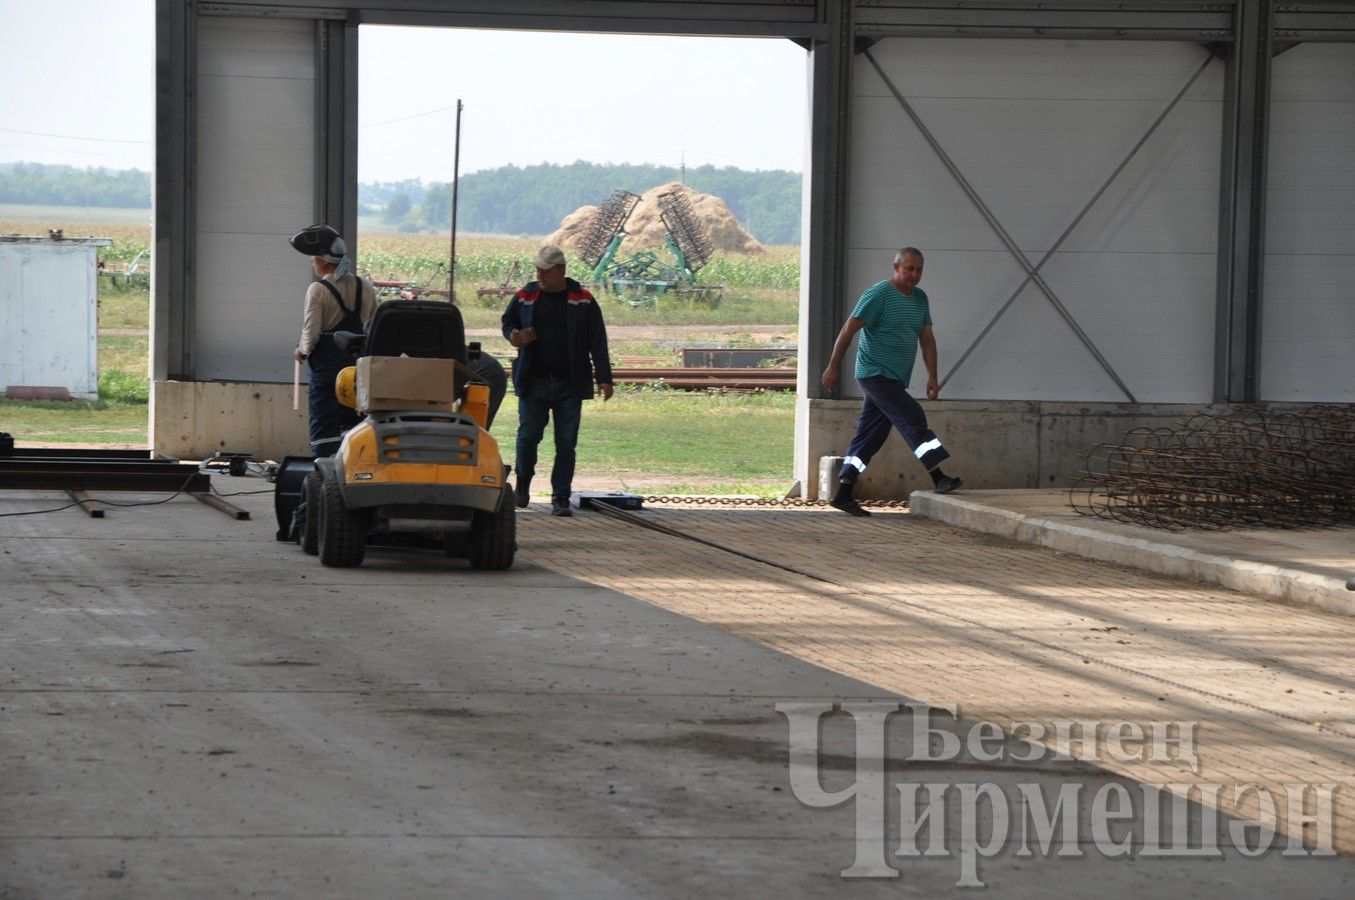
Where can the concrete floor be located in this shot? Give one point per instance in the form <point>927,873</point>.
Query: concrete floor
<point>1304,566</point>
<point>189,708</point>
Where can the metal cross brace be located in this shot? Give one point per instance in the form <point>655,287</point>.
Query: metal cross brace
<point>1033,272</point>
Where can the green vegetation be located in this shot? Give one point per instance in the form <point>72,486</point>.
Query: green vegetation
<point>763,289</point>
<point>533,199</point>
<point>675,442</point>
<point>124,352</point>
<point>121,308</point>
<point>647,441</point>
<point>74,422</point>
<point>118,386</point>
<point>507,200</point>
<point>24,182</point>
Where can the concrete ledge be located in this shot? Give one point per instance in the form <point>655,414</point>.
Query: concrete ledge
<point>1165,553</point>
<point>194,419</point>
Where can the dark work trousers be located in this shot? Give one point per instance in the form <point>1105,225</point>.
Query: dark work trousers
<point>549,398</point>
<point>329,418</point>
<point>887,404</point>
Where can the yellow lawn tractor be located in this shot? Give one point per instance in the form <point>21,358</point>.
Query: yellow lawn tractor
<point>421,469</point>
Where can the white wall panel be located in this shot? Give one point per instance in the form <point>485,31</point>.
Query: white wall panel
<point>255,187</point>
<point>1308,313</point>
<point>1037,127</point>
<point>49,314</point>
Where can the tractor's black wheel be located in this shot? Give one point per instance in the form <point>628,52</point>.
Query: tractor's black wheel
<point>343,531</point>
<point>493,537</point>
<point>308,513</point>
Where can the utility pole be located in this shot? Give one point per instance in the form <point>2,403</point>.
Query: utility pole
<point>456,180</point>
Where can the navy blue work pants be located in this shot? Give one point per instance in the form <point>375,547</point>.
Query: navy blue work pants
<point>887,404</point>
<point>329,418</point>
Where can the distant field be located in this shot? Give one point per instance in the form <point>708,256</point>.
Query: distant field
<point>757,290</point>
<point>130,236</point>
<point>57,216</point>
<point>664,441</point>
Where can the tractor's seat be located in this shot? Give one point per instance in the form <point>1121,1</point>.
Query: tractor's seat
<point>424,328</point>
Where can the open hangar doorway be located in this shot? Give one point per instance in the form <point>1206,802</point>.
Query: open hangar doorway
<point>568,121</point>
<point>260,130</point>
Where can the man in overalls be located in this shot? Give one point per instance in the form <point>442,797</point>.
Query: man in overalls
<point>338,300</point>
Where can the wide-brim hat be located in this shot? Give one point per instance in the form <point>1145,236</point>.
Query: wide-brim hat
<point>319,240</point>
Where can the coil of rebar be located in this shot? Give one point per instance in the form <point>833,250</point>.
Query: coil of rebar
<point>1253,467</point>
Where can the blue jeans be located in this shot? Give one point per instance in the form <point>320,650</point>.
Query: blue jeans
<point>543,398</point>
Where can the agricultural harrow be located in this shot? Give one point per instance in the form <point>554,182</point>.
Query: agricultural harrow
<point>392,288</point>
<point>512,280</point>
<point>640,279</point>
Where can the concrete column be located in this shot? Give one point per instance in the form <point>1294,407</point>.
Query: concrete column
<point>824,228</point>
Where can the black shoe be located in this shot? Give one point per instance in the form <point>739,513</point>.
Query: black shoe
<point>848,505</point>
<point>560,508</point>
<point>947,484</point>
<point>522,494</point>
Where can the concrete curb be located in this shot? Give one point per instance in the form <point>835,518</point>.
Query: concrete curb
<point>1263,579</point>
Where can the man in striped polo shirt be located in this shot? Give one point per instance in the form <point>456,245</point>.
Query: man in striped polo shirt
<point>893,318</point>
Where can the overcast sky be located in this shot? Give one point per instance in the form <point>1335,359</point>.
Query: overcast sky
<point>79,90</point>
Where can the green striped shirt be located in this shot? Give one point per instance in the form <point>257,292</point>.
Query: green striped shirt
<point>887,344</point>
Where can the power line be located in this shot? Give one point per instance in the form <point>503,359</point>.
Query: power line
<point>72,137</point>
<point>407,118</point>
<point>101,154</point>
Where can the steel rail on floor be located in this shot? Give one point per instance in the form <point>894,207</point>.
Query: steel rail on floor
<point>79,470</point>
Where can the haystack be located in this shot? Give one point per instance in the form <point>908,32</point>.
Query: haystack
<point>646,231</point>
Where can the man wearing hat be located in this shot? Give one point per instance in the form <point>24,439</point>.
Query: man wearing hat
<point>338,300</point>
<point>557,328</point>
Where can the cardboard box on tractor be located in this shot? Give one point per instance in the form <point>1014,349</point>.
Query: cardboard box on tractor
<point>405,382</point>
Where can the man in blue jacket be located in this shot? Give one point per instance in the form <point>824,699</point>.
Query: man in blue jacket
<point>556,326</point>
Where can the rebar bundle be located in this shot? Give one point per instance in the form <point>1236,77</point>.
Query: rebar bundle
<point>611,218</point>
<point>690,233</point>
<point>1254,467</point>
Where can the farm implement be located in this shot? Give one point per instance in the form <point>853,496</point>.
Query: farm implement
<point>640,279</point>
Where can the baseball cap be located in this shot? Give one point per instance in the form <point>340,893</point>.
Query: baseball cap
<point>548,257</point>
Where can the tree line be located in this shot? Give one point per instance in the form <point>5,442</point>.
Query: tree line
<point>507,200</point>
<point>47,185</point>
<point>533,199</point>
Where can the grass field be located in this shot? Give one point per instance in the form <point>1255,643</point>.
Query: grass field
<point>646,440</point>
<point>643,440</point>
<point>75,422</point>
<point>676,442</point>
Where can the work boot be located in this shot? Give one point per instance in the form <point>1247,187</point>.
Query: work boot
<point>522,493</point>
<point>844,501</point>
<point>560,507</point>
<point>947,483</point>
